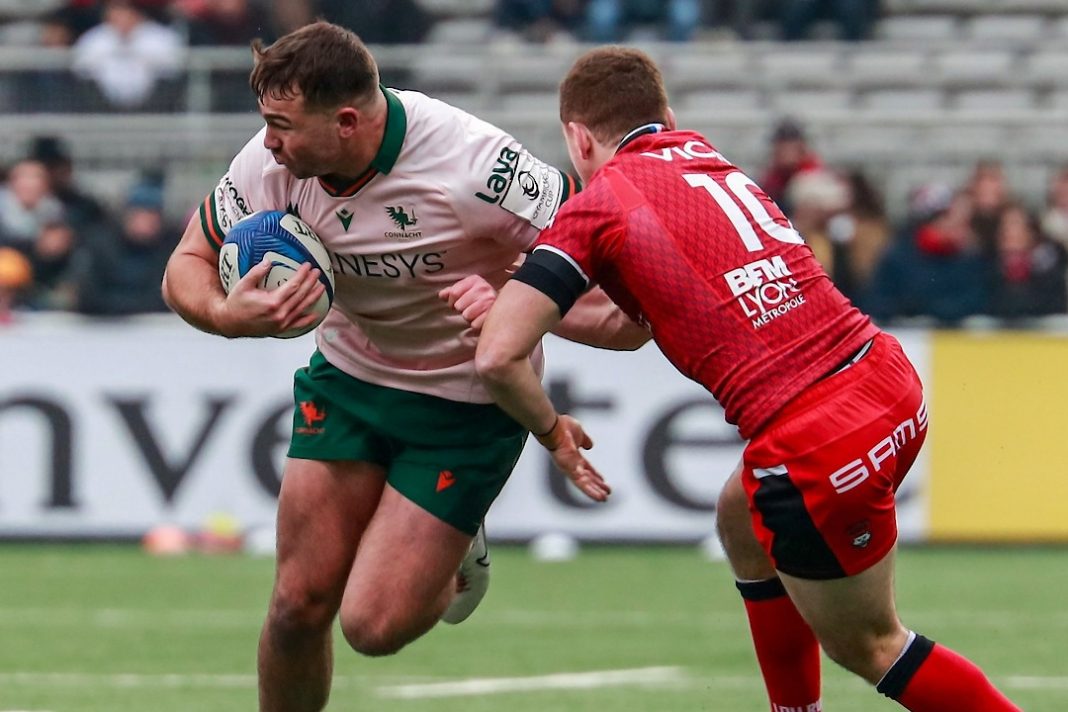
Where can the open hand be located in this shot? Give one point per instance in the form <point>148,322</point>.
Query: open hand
<point>563,443</point>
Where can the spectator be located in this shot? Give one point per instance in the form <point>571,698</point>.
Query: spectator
<point>790,155</point>
<point>1055,219</point>
<point>935,267</point>
<point>54,260</point>
<point>539,20</point>
<point>990,195</point>
<point>854,18</point>
<point>124,264</point>
<point>859,237</point>
<point>15,275</point>
<point>1030,269</point>
<point>48,88</point>
<point>225,22</point>
<point>817,198</point>
<point>610,21</point>
<point>57,29</point>
<point>128,54</point>
<point>27,205</point>
<point>375,21</point>
<point>80,208</point>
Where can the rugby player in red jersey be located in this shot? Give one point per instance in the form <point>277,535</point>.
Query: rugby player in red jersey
<point>833,411</point>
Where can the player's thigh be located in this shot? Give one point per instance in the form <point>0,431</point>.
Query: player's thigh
<point>407,557</point>
<point>323,509</point>
<point>854,618</point>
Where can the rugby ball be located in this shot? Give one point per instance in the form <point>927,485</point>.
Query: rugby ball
<point>288,242</point>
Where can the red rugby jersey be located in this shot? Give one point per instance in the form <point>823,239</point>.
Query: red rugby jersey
<point>685,243</point>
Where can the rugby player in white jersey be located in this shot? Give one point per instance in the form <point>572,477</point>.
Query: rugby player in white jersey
<point>397,449</point>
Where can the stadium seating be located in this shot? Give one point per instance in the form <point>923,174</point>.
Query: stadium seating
<point>940,82</point>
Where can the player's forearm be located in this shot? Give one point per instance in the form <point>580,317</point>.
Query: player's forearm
<point>520,317</point>
<point>191,288</point>
<point>595,320</point>
<point>515,386</point>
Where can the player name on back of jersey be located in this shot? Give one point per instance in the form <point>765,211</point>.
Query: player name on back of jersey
<point>765,289</point>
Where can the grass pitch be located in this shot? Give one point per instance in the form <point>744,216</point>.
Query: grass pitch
<point>109,629</point>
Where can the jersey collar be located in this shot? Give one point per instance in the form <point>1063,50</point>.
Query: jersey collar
<point>385,158</point>
<point>640,131</point>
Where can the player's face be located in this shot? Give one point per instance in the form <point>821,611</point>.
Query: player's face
<point>305,142</point>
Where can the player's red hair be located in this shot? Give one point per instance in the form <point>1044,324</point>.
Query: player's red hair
<point>613,90</point>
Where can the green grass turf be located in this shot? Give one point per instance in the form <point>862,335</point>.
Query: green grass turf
<point>108,629</point>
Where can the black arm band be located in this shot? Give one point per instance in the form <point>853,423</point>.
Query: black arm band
<point>554,276</point>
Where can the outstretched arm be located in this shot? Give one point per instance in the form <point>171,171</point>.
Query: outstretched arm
<point>191,287</point>
<point>594,320</point>
<point>520,317</point>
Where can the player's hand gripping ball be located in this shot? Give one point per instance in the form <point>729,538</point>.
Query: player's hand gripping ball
<point>287,242</point>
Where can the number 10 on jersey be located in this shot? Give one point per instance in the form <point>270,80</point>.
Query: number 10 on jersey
<point>739,199</point>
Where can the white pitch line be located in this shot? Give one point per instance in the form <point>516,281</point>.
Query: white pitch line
<point>560,681</point>
<point>418,687</point>
<point>1029,682</point>
<point>243,619</point>
<point>169,680</point>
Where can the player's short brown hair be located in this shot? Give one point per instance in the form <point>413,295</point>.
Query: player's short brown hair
<point>328,65</point>
<point>613,90</point>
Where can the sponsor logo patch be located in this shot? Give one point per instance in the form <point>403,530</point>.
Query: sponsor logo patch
<point>404,218</point>
<point>344,216</point>
<point>765,290</point>
<point>524,186</point>
<point>312,415</point>
<point>445,480</point>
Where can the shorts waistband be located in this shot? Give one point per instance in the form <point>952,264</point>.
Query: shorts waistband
<point>853,358</point>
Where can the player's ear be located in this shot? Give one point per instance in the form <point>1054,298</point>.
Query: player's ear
<point>347,119</point>
<point>579,136</point>
<point>671,124</point>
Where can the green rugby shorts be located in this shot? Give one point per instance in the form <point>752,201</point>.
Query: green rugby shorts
<point>450,458</point>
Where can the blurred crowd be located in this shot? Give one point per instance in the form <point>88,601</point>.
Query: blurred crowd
<point>129,54</point>
<point>63,250</point>
<point>959,251</point>
<point>607,21</point>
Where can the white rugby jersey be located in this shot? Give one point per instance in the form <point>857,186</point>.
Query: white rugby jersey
<point>447,195</point>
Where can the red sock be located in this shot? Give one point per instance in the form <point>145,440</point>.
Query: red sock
<point>786,648</point>
<point>932,678</point>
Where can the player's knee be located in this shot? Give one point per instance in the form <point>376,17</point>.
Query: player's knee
<point>867,654</point>
<point>296,613</point>
<point>371,635</point>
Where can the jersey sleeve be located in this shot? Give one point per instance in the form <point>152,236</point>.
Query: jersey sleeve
<point>569,254</point>
<point>510,195</point>
<point>253,182</point>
